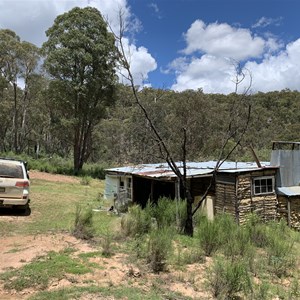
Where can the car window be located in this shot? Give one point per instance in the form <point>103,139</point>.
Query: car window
<point>11,171</point>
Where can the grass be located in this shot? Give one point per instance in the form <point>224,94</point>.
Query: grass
<point>119,292</point>
<point>53,208</point>
<point>140,240</point>
<point>40,271</point>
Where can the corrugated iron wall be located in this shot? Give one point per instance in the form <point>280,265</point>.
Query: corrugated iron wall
<point>289,167</point>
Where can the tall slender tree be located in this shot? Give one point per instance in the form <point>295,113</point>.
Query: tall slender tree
<point>18,60</point>
<point>80,57</point>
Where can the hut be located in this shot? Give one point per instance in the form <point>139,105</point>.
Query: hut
<point>237,187</point>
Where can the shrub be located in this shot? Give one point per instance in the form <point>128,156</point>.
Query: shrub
<point>159,248</point>
<point>189,256</point>
<point>261,291</point>
<point>280,256</point>
<point>209,236</point>
<point>294,290</point>
<point>164,211</point>
<point>227,278</point>
<point>106,244</point>
<point>85,180</point>
<point>83,225</point>
<point>237,243</point>
<point>136,222</point>
<point>168,213</point>
<point>258,232</point>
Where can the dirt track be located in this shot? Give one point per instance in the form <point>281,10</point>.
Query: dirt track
<point>52,177</point>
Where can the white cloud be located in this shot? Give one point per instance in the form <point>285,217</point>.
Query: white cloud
<point>264,22</point>
<point>31,18</point>
<point>141,63</point>
<point>277,72</point>
<point>215,74</point>
<point>154,6</point>
<point>156,10</point>
<point>212,74</point>
<point>273,65</point>
<point>223,40</point>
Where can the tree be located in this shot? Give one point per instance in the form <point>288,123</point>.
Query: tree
<point>18,60</point>
<point>237,125</point>
<point>80,57</point>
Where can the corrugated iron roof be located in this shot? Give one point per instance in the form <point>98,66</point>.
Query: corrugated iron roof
<point>289,191</point>
<point>194,169</point>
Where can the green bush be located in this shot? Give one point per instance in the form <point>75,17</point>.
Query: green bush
<point>169,213</point>
<point>261,291</point>
<point>106,244</point>
<point>280,255</point>
<point>59,165</point>
<point>85,180</point>
<point>257,230</point>
<point>227,278</point>
<point>159,248</point>
<point>208,235</point>
<point>190,255</point>
<point>237,244</point>
<point>83,225</point>
<point>137,221</point>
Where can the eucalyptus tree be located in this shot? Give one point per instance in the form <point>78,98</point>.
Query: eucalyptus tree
<point>80,57</point>
<point>18,62</point>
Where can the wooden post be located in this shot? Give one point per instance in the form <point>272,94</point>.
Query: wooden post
<point>289,212</point>
<point>177,198</point>
<point>177,189</point>
<point>152,190</point>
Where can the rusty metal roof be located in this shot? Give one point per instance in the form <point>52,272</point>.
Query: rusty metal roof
<point>194,169</point>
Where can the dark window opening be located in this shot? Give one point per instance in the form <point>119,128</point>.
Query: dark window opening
<point>263,185</point>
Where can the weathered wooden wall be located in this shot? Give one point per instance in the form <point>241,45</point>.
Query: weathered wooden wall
<point>295,213</point>
<point>234,195</point>
<point>225,200</point>
<point>263,205</point>
<point>282,210</point>
<point>294,210</point>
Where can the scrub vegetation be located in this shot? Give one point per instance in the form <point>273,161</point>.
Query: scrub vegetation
<point>143,254</point>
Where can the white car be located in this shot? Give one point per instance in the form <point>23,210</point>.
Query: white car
<point>14,184</point>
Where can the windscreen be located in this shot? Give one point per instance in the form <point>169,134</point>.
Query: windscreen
<point>11,171</point>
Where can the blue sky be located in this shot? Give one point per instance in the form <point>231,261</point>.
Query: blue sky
<point>165,22</point>
<point>188,44</point>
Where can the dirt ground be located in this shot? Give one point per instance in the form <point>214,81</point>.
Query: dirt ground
<point>52,177</point>
<point>16,251</point>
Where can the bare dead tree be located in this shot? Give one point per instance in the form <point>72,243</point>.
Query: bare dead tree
<point>233,130</point>
<point>162,144</point>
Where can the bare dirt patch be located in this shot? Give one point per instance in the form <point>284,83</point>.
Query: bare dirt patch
<point>53,177</point>
<point>16,251</point>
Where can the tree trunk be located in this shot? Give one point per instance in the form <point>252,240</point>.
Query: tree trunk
<point>15,120</point>
<point>81,145</point>
<point>189,228</point>
<point>77,151</point>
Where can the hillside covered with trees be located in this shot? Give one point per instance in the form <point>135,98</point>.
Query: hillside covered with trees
<point>65,100</point>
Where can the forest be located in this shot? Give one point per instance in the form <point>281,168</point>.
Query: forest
<point>64,101</point>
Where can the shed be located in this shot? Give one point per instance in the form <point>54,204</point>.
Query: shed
<point>239,187</point>
<point>286,155</point>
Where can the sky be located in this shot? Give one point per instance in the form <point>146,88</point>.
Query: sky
<point>188,44</point>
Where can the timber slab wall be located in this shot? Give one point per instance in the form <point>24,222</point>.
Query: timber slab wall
<point>236,197</point>
<point>293,219</point>
<point>264,206</point>
<point>225,199</point>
